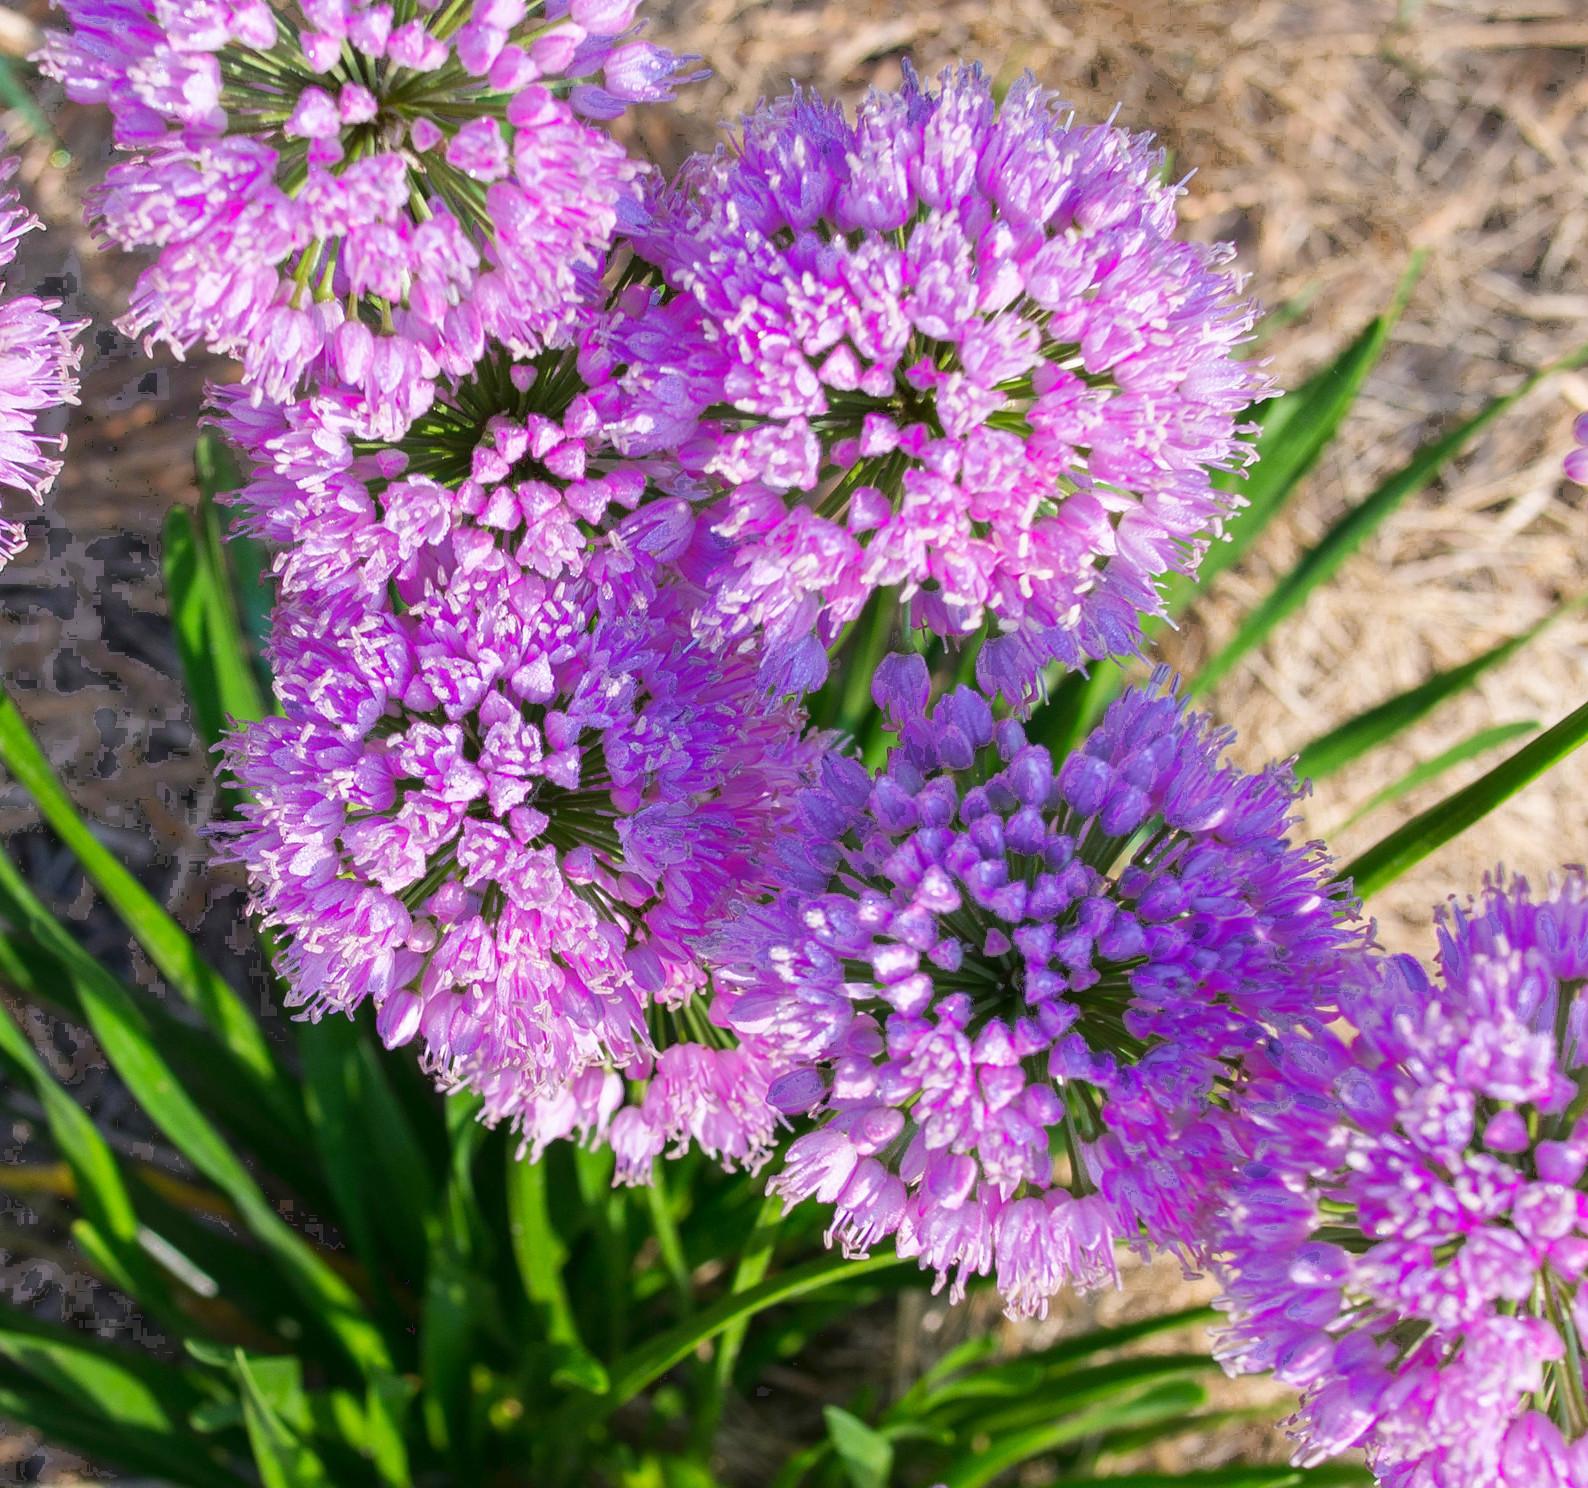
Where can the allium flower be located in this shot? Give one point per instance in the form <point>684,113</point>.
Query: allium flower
<point>708,1095</point>
<point>507,815</point>
<point>1577,460</point>
<point>981,961</point>
<point>1409,1243</point>
<point>356,191</point>
<point>38,372</point>
<point>955,348</point>
<point>510,461</point>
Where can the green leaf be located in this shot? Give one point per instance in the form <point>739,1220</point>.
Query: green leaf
<point>866,1455</point>
<point>542,1255</point>
<point>648,1361</point>
<point>1426,770</point>
<point>102,1192</point>
<point>1353,738</point>
<point>135,1449</point>
<point>1170,1402</point>
<point>385,1410</point>
<point>126,1387</point>
<point>1322,562</point>
<point>46,980</point>
<point>1294,431</point>
<point>241,1040</point>
<point>1384,862</point>
<point>245,560</point>
<point>749,1271</point>
<point>1234,1476</point>
<point>366,1148</point>
<point>126,1039</point>
<point>283,1458</point>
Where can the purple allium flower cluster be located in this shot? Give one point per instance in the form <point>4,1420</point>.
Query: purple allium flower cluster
<point>359,192</point>
<point>38,372</point>
<point>507,813</point>
<point>1409,1243</point>
<point>509,463</point>
<point>952,348</point>
<point>983,959</point>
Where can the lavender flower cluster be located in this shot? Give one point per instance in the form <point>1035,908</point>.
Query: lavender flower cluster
<point>577,479</point>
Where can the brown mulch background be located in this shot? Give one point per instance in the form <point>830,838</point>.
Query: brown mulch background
<point>1329,139</point>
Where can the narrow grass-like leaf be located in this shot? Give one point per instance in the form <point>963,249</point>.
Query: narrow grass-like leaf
<point>650,1360</point>
<point>101,1188</point>
<point>127,1387</point>
<point>1321,562</point>
<point>1293,431</point>
<point>541,1256</point>
<point>45,980</point>
<point>1425,771</point>
<point>1382,722</point>
<point>126,1039</point>
<point>866,1455</point>
<point>1330,1475</point>
<point>283,1458</point>
<point>749,1271</point>
<point>169,946</point>
<point>1169,1403</point>
<point>1384,862</point>
<point>169,1458</point>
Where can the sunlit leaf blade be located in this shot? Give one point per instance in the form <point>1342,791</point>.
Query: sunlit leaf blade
<point>127,1041</point>
<point>1382,722</point>
<point>541,1256</point>
<point>1425,771</point>
<point>1168,1403</point>
<point>101,1188</point>
<point>1383,863</point>
<point>123,1385</point>
<point>48,981</point>
<point>169,946</point>
<point>647,1362</point>
<point>246,560</point>
<point>166,1458</point>
<point>283,1458</point>
<point>1321,562</point>
<point>1294,431</point>
<point>1330,1475</point>
<point>865,1454</point>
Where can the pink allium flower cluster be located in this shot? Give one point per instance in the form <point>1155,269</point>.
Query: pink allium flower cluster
<point>359,192</point>
<point>506,814</point>
<point>510,463</point>
<point>984,958</point>
<point>952,348</point>
<point>38,372</point>
<point>1409,1243</point>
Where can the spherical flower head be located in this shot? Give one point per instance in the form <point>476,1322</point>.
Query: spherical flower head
<point>511,461</point>
<point>1408,1242</point>
<point>506,816</point>
<point>38,373</point>
<point>980,959</point>
<point>954,348</point>
<point>355,191</point>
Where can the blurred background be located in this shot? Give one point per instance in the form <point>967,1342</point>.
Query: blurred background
<point>1328,138</point>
